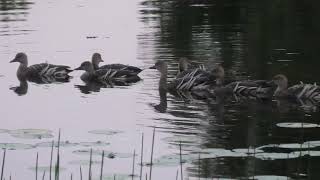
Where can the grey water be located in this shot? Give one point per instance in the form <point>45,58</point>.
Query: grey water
<point>236,138</point>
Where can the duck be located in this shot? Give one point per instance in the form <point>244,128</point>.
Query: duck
<point>119,76</point>
<point>22,89</point>
<point>37,72</point>
<point>97,59</point>
<point>185,64</point>
<point>262,89</point>
<point>190,82</point>
<point>298,91</point>
<point>215,77</point>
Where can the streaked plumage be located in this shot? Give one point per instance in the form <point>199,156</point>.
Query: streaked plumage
<point>190,82</point>
<point>215,77</point>
<point>43,71</point>
<point>96,59</point>
<point>299,91</point>
<point>250,88</point>
<point>106,75</point>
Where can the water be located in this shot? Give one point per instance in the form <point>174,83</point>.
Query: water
<point>237,138</point>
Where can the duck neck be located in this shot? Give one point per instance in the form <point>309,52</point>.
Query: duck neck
<point>281,90</point>
<point>22,70</point>
<point>95,65</point>
<point>163,80</point>
<point>90,70</point>
<point>219,81</point>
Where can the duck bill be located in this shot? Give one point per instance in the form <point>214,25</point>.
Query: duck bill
<point>152,67</point>
<point>101,60</point>
<point>78,68</point>
<point>13,60</point>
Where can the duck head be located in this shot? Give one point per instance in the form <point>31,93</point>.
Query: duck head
<point>281,81</point>
<point>21,58</point>
<point>96,59</point>
<point>160,66</point>
<point>184,64</point>
<point>85,66</point>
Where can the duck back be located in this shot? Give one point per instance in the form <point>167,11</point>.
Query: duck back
<point>132,69</point>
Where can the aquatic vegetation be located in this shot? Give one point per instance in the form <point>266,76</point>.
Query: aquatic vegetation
<point>108,154</point>
<point>61,144</point>
<point>107,132</point>
<point>91,144</point>
<point>83,162</point>
<point>298,125</point>
<point>15,146</point>
<point>31,133</point>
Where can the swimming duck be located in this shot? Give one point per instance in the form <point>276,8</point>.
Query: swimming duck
<point>39,71</point>
<point>106,75</point>
<point>249,88</point>
<point>215,77</point>
<point>299,91</point>
<point>185,64</point>
<point>191,81</point>
<point>96,59</point>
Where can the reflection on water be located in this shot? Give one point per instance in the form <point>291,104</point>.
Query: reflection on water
<point>221,137</point>
<point>252,40</point>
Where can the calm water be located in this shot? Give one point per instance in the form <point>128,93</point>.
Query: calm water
<point>236,138</point>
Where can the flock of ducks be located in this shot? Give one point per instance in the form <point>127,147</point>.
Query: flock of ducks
<point>190,78</point>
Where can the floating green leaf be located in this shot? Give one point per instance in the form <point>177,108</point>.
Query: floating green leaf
<point>15,146</point>
<point>298,125</point>
<point>31,133</point>
<point>107,132</point>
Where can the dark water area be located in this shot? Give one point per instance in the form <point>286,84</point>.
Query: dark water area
<point>252,40</point>
<point>226,138</point>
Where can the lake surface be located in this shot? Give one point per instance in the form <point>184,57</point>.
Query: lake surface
<point>238,138</point>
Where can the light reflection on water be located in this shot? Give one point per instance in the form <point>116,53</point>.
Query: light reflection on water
<point>141,33</point>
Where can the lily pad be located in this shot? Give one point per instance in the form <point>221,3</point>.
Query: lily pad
<point>15,146</point>
<point>107,132</point>
<point>3,131</point>
<point>309,153</point>
<point>297,125</point>
<point>31,133</point>
<point>269,177</point>
<point>116,176</point>
<point>247,151</point>
<point>275,156</point>
<point>83,162</point>
<point>90,144</point>
<point>216,153</point>
<point>108,154</point>
<point>62,144</point>
<point>182,139</point>
<point>172,160</point>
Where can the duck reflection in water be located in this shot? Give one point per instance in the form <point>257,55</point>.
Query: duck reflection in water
<point>22,89</point>
<point>95,86</point>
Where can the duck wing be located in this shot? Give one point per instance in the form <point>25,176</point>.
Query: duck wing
<point>255,88</point>
<point>305,91</point>
<point>49,70</point>
<point>117,76</point>
<point>122,67</point>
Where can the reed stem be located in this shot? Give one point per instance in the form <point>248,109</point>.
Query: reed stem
<point>51,156</point>
<point>3,164</point>
<point>90,163</point>
<point>102,163</point>
<point>181,161</point>
<point>133,162</point>
<point>141,159</point>
<point>37,161</point>
<point>151,161</point>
